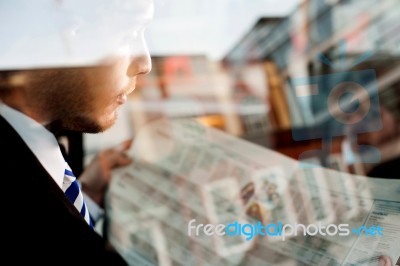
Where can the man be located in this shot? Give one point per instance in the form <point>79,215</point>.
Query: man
<point>65,65</point>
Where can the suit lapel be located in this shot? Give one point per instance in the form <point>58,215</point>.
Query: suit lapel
<point>20,160</point>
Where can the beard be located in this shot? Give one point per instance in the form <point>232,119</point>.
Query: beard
<point>65,97</point>
<point>79,123</point>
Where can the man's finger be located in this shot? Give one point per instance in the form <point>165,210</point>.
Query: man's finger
<point>125,145</point>
<point>123,160</point>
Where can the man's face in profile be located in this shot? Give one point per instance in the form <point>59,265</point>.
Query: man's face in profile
<point>84,93</point>
<point>85,98</point>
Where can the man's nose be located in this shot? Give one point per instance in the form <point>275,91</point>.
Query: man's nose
<point>140,65</point>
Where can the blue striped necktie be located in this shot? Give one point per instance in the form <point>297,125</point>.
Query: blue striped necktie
<point>73,192</point>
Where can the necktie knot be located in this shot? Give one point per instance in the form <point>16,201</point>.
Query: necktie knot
<point>73,192</point>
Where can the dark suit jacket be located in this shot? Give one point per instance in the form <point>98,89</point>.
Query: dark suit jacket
<point>40,225</point>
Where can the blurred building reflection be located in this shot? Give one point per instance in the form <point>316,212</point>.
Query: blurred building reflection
<point>322,38</point>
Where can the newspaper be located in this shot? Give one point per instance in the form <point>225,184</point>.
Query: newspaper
<point>183,170</point>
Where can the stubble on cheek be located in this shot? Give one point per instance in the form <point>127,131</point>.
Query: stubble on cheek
<point>90,116</point>
<point>75,99</point>
<point>62,98</point>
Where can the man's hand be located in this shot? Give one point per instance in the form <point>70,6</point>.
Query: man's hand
<point>97,175</point>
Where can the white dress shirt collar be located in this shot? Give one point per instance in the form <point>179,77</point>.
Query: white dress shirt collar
<point>39,140</point>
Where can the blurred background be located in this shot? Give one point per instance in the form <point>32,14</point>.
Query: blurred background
<point>270,72</point>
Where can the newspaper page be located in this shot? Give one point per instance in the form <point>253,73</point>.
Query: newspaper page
<point>189,183</point>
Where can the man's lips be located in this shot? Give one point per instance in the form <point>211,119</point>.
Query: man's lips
<point>122,98</point>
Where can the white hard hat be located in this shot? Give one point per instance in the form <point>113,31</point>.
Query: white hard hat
<point>59,33</point>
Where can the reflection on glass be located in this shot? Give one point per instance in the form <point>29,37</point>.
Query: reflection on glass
<point>321,85</point>
<point>322,215</point>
